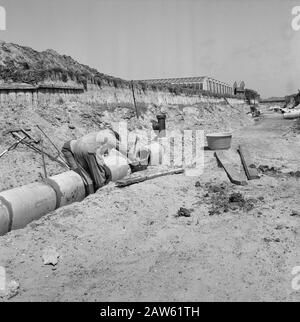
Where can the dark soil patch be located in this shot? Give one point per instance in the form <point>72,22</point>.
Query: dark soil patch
<point>295,174</point>
<point>276,172</point>
<point>222,199</point>
<point>271,171</point>
<point>184,212</point>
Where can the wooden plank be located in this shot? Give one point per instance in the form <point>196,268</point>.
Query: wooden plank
<point>234,176</point>
<point>134,101</point>
<point>248,164</point>
<point>130,181</point>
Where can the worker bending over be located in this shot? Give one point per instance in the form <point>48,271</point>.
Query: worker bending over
<point>85,156</point>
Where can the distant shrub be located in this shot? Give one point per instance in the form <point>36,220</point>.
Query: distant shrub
<point>64,77</point>
<point>144,86</point>
<point>153,87</point>
<point>25,66</point>
<point>60,101</point>
<point>98,81</point>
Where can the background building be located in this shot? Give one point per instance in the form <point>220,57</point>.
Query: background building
<point>239,88</point>
<point>203,83</point>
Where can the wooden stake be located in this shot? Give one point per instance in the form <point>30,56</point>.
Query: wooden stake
<point>134,101</point>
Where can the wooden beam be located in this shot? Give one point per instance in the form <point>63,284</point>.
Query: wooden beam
<point>248,164</point>
<point>234,176</point>
<point>130,181</point>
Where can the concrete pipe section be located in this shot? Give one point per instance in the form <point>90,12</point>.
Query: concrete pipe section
<point>68,187</point>
<point>20,206</point>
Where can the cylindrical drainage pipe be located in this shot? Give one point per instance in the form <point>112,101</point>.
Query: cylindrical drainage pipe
<point>68,186</point>
<point>20,206</point>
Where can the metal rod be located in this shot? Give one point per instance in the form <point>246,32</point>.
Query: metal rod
<point>48,155</point>
<point>56,148</point>
<point>12,147</point>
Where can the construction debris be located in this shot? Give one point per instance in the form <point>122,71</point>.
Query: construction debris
<point>295,213</point>
<point>184,212</point>
<point>50,256</point>
<point>222,199</point>
<point>11,289</point>
<point>295,174</point>
<point>270,240</point>
<point>269,170</point>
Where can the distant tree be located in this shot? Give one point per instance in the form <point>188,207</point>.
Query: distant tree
<point>251,94</point>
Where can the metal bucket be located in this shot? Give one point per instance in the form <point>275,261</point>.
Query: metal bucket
<point>219,141</point>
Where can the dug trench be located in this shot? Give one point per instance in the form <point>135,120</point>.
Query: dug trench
<point>175,238</point>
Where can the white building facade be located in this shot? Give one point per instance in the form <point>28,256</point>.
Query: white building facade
<point>203,83</point>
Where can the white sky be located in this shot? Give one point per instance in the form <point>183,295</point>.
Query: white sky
<point>229,40</point>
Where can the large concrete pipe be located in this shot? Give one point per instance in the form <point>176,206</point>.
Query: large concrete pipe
<point>21,205</point>
<point>68,186</point>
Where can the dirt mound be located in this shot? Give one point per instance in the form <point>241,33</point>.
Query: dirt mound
<point>25,65</point>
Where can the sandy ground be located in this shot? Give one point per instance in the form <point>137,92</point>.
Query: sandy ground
<point>129,244</point>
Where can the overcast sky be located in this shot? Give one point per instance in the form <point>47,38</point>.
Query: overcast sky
<point>137,39</point>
